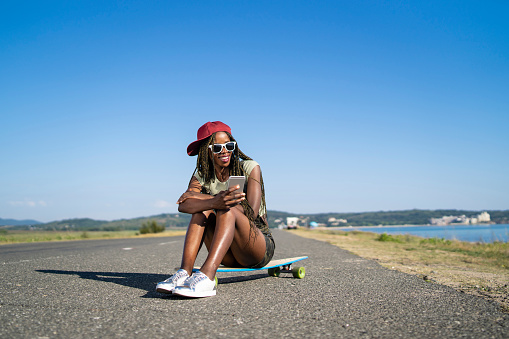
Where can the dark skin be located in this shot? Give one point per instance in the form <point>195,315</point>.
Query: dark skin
<point>226,233</point>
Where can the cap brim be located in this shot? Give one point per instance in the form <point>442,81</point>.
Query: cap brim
<point>194,147</point>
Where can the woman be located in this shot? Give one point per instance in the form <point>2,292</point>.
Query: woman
<point>232,225</point>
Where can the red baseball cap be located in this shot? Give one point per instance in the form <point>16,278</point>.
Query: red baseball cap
<point>206,131</point>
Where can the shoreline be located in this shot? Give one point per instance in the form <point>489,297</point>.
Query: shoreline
<point>341,228</point>
<point>483,233</point>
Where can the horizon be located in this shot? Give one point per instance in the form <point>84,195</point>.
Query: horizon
<point>268,211</point>
<point>346,106</point>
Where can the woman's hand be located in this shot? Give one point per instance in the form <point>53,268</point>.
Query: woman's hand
<point>229,198</point>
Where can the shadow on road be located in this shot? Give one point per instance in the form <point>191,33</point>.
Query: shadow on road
<point>143,281</point>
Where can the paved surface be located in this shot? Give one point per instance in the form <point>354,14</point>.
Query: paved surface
<point>105,288</point>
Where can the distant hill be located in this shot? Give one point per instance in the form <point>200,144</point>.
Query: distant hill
<point>275,218</point>
<point>14,222</point>
<point>406,217</point>
<point>168,220</point>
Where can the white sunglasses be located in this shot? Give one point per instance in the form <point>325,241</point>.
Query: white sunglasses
<point>217,148</point>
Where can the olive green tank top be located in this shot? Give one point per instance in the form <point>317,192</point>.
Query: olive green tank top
<point>217,186</point>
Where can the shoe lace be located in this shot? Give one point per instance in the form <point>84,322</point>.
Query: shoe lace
<point>196,278</point>
<point>180,273</point>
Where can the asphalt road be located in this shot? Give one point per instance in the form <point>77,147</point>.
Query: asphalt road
<point>106,288</point>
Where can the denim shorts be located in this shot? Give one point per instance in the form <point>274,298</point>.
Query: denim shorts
<point>270,246</point>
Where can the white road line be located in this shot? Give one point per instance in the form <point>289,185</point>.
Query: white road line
<point>166,243</point>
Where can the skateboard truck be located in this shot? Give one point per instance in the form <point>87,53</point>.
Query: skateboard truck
<point>297,272</point>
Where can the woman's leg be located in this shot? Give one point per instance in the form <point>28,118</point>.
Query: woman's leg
<point>233,242</point>
<point>194,238</point>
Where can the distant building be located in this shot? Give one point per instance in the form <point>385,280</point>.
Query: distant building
<point>335,222</point>
<point>484,217</point>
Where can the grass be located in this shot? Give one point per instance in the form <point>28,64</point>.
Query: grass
<point>495,254</point>
<point>475,268</point>
<point>388,237</point>
<point>12,237</point>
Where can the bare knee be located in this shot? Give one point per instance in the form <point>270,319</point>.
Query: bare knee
<point>231,213</point>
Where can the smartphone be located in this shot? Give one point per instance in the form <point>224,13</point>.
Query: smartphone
<point>237,180</point>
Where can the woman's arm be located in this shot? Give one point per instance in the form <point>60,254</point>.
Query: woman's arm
<point>254,190</point>
<point>192,201</point>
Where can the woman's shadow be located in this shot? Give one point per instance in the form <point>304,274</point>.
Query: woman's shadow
<point>143,281</point>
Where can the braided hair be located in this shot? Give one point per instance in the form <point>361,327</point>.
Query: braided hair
<point>205,168</point>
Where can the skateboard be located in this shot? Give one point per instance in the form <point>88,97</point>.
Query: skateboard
<point>274,267</point>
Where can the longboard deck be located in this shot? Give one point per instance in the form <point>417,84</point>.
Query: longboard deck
<point>271,264</point>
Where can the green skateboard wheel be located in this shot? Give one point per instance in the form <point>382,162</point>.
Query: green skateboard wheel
<point>298,272</point>
<point>215,280</point>
<point>274,272</point>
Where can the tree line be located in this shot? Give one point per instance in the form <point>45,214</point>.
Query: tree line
<point>275,218</point>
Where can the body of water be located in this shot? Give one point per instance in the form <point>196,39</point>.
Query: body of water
<point>471,233</point>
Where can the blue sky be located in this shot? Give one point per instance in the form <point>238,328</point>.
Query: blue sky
<point>347,106</point>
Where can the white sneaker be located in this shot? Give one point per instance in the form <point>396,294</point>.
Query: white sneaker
<point>197,286</point>
<point>172,282</point>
